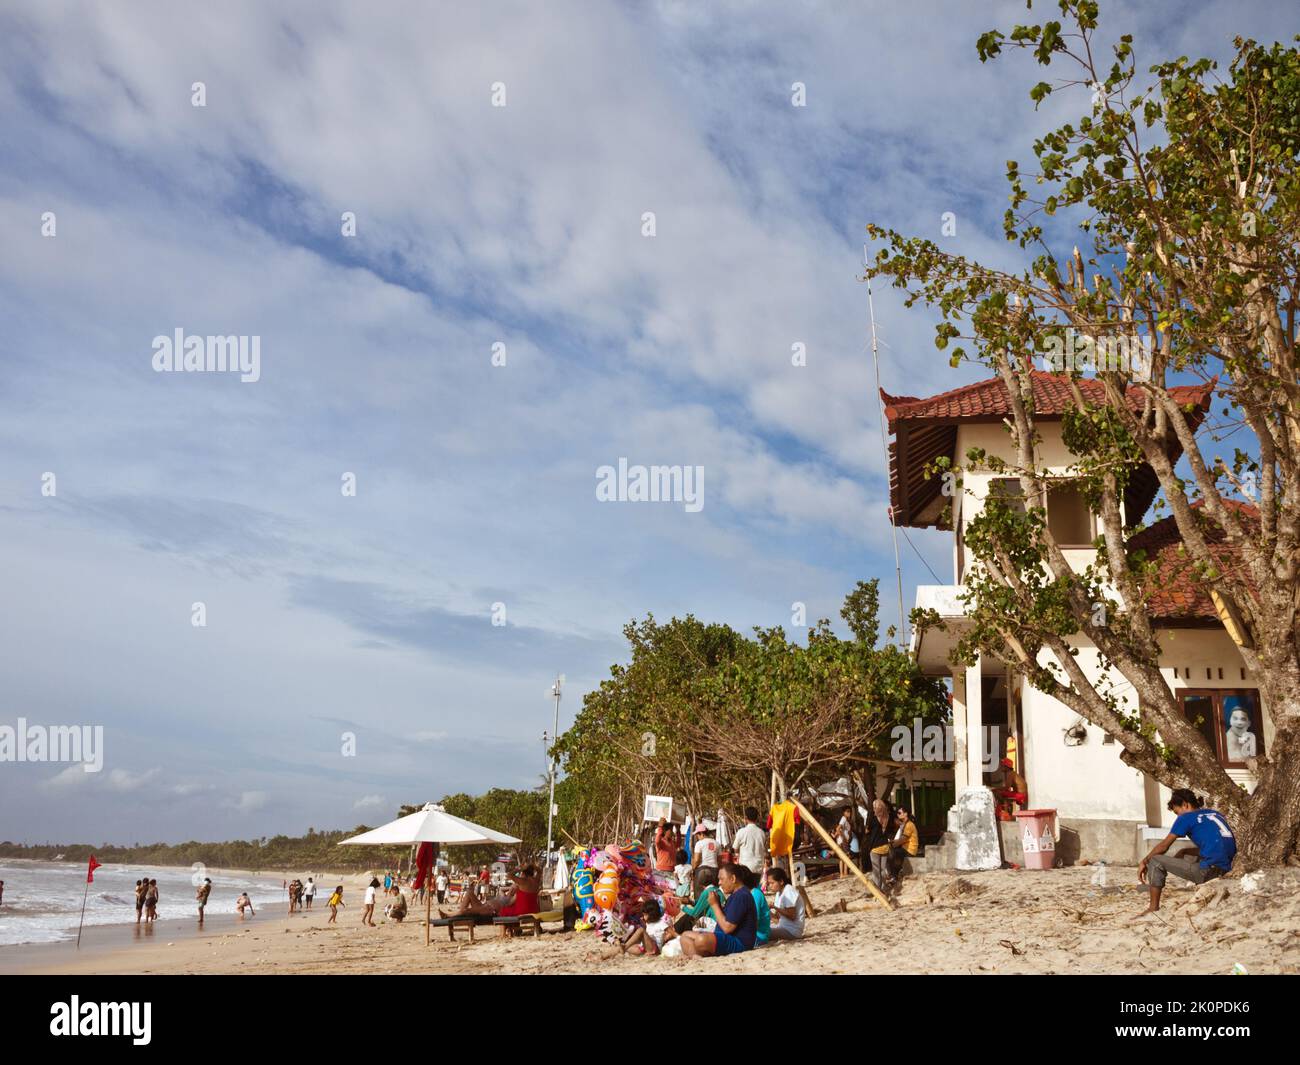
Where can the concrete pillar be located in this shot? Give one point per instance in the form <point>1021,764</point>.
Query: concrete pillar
<point>961,772</point>
<point>972,821</point>
<point>974,725</point>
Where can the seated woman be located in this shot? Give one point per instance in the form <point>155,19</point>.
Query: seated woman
<point>691,912</point>
<point>788,908</point>
<point>521,899</point>
<point>754,882</point>
<point>524,898</point>
<point>737,923</point>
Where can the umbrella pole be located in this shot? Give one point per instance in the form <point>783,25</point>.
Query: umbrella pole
<point>428,911</point>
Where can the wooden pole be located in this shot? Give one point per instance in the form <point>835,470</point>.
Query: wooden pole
<point>428,910</point>
<point>835,847</point>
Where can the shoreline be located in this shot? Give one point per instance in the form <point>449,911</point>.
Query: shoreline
<point>219,870</point>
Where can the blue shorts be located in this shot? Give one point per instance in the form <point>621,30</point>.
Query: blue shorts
<point>727,943</point>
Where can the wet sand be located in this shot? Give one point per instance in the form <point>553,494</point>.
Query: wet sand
<point>1005,921</point>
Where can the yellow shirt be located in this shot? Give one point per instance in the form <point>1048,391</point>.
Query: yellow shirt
<point>909,841</point>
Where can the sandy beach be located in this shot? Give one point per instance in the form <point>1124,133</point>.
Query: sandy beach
<point>1005,921</point>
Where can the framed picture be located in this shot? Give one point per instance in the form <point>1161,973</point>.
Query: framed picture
<point>1230,721</point>
<point>1243,733</point>
<point>657,806</point>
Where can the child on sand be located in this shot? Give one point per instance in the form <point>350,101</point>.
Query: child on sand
<point>242,902</point>
<point>649,939</point>
<point>335,901</point>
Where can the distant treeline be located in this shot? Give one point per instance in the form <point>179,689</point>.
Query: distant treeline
<point>315,850</point>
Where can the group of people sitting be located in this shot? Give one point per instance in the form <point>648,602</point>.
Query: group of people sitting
<point>730,915</point>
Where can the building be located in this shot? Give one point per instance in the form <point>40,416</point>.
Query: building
<point>1106,810</point>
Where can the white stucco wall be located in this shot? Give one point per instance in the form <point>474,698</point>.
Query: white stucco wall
<point>1089,780</point>
<point>1053,458</point>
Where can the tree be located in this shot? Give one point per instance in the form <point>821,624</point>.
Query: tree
<point>1187,192</point>
<point>804,713</point>
<point>706,715</point>
<point>627,741</point>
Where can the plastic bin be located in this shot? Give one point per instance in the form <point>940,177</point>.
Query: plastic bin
<point>1038,837</point>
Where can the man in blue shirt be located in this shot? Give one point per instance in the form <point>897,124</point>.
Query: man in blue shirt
<point>737,922</point>
<point>1208,829</point>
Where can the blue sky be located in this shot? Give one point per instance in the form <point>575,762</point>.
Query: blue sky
<point>475,483</point>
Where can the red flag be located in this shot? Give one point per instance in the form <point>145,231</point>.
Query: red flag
<point>90,873</point>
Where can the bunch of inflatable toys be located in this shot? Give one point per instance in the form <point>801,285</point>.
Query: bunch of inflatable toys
<point>611,884</point>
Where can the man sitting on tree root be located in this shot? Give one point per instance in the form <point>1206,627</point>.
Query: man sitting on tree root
<point>1213,837</point>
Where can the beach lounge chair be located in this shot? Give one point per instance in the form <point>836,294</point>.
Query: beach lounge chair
<point>465,923</point>
<point>528,922</point>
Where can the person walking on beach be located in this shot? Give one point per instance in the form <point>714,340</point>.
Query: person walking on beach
<point>141,886</point>
<point>335,901</point>
<point>1211,833</point>
<point>368,912</point>
<point>201,896</point>
<point>441,886</point>
<point>151,901</point>
<point>2,892</point>
<point>309,892</point>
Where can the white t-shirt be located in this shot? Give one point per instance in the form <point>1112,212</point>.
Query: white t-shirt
<point>789,899</point>
<point>751,847</point>
<point>309,889</point>
<point>370,896</point>
<point>656,930</point>
<point>441,882</point>
<point>707,852</point>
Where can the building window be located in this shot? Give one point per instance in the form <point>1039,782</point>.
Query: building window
<point>1068,517</point>
<point>1009,491</point>
<point>1230,721</point>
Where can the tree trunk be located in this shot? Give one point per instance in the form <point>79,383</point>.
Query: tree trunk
<point>1266,830</point>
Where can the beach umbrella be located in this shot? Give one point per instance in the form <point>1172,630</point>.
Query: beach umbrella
<point>561,880</point>
<point>724,830</point>
<point>432,824</point>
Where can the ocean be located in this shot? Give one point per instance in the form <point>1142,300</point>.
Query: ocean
<point>42,900</point>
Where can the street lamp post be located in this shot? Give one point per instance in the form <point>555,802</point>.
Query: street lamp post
<point>550,808</point>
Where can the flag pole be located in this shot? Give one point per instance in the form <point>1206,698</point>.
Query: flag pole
<point>84,894</point>
<point>90,879</point>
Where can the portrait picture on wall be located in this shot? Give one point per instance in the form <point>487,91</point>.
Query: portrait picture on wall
<point>1242,736</point>
<point>1230,720</point>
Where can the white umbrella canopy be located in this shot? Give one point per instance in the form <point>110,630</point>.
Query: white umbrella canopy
<point>431,825</point>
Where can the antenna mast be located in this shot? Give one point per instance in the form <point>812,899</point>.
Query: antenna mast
<point>884,444</point>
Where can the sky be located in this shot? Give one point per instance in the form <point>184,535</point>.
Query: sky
<point>394,532</point>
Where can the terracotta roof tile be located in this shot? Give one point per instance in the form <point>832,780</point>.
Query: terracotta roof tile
<point>1176,592</point>
<point>988,399</point>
